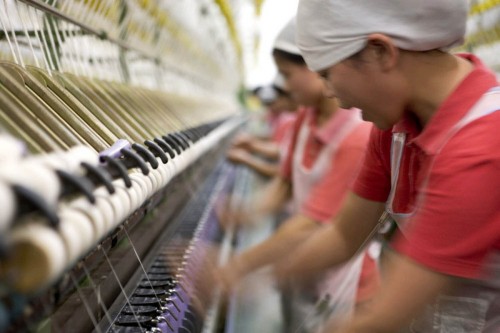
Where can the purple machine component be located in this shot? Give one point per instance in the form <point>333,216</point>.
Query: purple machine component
<point>176,311</point>
<point>115,150</point>
<point>164,328</point>
<point>171,323</point>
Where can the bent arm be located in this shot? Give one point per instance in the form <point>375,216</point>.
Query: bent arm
<point>401,298</point>
<point>292,233</point>
<point>273,197</point>
<point>267,169</point>
<point>278,246</point>
<point>266,201</point>
<point>335,243</point>
<point>268,149</point>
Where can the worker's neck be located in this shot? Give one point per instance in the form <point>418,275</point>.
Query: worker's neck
<point>326,109</point>
<point>433,77</point>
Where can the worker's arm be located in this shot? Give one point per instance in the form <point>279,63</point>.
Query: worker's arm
<point>407,288</point>
<point>267,201</point>
<point>265,148</point>
<point>273,197</point>
<point>265,168</point>
<point>336,243</point>
<point>291,233</point>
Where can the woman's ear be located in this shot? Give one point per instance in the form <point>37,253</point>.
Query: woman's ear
<point>382,48</point>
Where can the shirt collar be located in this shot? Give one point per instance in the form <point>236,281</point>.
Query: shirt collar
<point>461,100</point>
<point>327,132</point>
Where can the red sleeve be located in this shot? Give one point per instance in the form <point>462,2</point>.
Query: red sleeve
<point>374,179</point>
<point>457,224</point>
<point>286,164</point>
<point>326,198</point>
<point>285,124</point>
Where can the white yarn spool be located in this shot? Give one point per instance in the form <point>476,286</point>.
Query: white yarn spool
<point>120,201</point>
<point>104,215</point>
<point>171,167</point>
<point>181,162</point>
<point>142,187</point>
<point>34,176</point>
<point>155,180</point>
<point>38,257</point>
<point>146,181</point>
<point>76,155</point>
<point>77,232</point>
<point>12,148</point>
<point>134,194</point>
<point>100,214</point>
<point>8,206</point>
<point>70,160</point>
<point>162,170</point>
<point>155,175</point>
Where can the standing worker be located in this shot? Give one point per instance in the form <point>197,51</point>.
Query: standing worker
<point>433,163</point>
<point>263,154</point>
<point>324,157</point>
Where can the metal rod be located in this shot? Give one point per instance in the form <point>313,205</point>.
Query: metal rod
<point>101,33</point>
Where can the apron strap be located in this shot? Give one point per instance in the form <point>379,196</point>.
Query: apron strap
<point>487,104</point>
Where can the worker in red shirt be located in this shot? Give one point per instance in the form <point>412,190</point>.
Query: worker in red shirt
<point>324,157</point>
<point>433,162</point>
<point>263,154</point>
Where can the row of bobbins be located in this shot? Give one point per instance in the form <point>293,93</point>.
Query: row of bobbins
<point>53,224</point>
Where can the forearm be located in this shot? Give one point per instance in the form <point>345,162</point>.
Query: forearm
<point>401,298</point>
<point>292,233</point>
<point>305,263</point>
<point>338,242</point>
<point>264,168</point>
<point>266,201</point>
<point>267,149</point>
<point>273,198</point>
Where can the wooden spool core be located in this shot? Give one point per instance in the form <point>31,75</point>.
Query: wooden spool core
<point>37,258</point>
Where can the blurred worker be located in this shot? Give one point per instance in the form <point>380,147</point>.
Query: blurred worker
<point>433,163</point>
<point>326,150</point>
<point>263,154</point>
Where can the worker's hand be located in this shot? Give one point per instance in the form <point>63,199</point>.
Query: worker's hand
<point>230,275</point>
<point>238,155</point>
<point>244,140</point>
<point>229,216</point>
<point>205,253</point>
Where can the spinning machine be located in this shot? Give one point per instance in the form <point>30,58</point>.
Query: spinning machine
<point>114,117</point>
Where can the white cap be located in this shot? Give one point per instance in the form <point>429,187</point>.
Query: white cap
<point>329,31</point>
<point>267,94</point>
<point>286,40</point>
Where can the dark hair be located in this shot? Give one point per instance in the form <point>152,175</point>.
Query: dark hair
<point>280,91</point>
<point>255,90</point>
<point>294,58</point>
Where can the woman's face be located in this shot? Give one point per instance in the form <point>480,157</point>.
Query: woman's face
<point>365,83</point>
<point>305,87</point>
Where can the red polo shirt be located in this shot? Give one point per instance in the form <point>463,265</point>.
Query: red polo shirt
<point>283,125</point>
<point>457,223</point>
<point>326,197</point>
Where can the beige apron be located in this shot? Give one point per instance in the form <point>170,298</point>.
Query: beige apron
<point>337,289</point>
